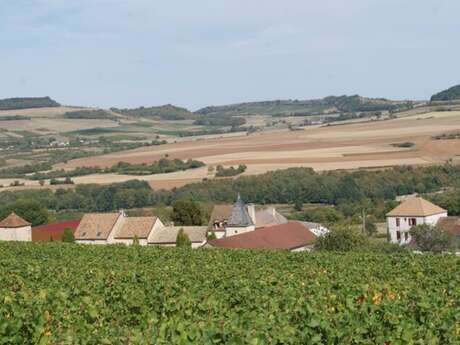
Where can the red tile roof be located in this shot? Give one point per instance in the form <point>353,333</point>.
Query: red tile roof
<point>54,230</point>
<point>286,236</point>
<point>13,221</point>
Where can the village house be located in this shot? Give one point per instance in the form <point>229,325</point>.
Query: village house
<point>292,236</point>
<point>14,228</point>
<point>166,236</point>
<point>112,228</point>
<point>411,212</point>
<point>141,229</point>
<point>230,220</point>
<point>98,228</point>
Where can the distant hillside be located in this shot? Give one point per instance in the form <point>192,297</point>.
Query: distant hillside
<point>27,102</point>
<point>165,112</point>
<point>447,95</point>
<point>90,114</point>
<point>330,104</point>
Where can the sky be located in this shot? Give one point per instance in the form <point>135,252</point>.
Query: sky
<point>129,53</point>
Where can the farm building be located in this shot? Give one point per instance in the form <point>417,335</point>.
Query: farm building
<point>140,228</point>
<point>166,236</point>
<point>411,212</point>
<point>229,220</point>
<point>292,236</point>
<point>53,231</point>
<point>14,228</point>
<point>111,228</point>
<point>98,228</point>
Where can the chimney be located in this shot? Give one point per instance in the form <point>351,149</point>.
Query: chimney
<point>252,212</point>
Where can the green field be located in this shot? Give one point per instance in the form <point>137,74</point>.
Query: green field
<point>70,294</point>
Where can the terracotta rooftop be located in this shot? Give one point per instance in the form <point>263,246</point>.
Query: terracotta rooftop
<point>13,221</point>
<point>168,235</point>
<point>53,230</point>
<point>136,226</point>
<point>417,207</point>
<point>287,236</point>
<point>96,226</point>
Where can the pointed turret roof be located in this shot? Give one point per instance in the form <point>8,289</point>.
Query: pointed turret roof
<point>240,216</point>
<point>13,221</point>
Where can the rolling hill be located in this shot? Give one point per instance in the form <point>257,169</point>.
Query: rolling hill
<point>331,104</point>
<point>450,94</point>
<point>27,103</point>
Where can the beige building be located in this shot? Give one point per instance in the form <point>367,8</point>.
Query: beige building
<point>230,220</point>
<point>140,228</point>
<point>411,212</point>
<point>14,228</point>
<point>166,236</point>
<point>98,228</point>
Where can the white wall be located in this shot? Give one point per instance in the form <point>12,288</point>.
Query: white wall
<point>16,234</point>
<point>229,231</point>
<point>404,226</point>
<point>91,242</point>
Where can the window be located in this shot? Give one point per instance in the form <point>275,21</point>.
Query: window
<point>406,236</point>
<point>398,235</point>
<point>412,221</point>
<point>398,222</point>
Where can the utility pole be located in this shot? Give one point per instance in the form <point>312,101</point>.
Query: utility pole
<point>364,221</point>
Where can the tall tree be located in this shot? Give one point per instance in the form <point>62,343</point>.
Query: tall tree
<point>187,212</point>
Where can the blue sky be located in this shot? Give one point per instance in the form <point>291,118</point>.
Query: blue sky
<point>207,52</point>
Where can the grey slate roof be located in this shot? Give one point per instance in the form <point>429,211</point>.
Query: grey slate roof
<point>240,216</point>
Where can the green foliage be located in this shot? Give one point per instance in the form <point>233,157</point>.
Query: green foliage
<point>447,95</point>
<point>324,215</point>
<point>221,121</point>
<point>304,107</point>
<point>68,236</point>
<point>342,238</point>
<point>126,295</point>
<point>14,117</point>
<point>159,167</point>
<point>431,238</point>
<point>90,114</point>
<point>165,112</point>
<point>212,236</point>
<point>182,240</point>
<point>27,102</point>
<point>136,241</point>
<point>31,211</point>
<point>405,144</point>
<point>231,171</point>
<point>187,212</point>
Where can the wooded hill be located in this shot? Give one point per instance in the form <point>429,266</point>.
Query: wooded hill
<point>331,104</point>
<point>27,102</point>
<point>450,94</point>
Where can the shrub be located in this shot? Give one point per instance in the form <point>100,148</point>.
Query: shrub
<point>182,240</point>
<point>68,236</point>
<point>342,238</point>
<point>432,238</point>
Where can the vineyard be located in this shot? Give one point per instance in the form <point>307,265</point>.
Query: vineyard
<point>70,294</point>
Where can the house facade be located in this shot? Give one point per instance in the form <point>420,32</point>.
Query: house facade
<point>231,220</point>
<point>412,212</point>
<point>166,236</point>
<point>14,228</point>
